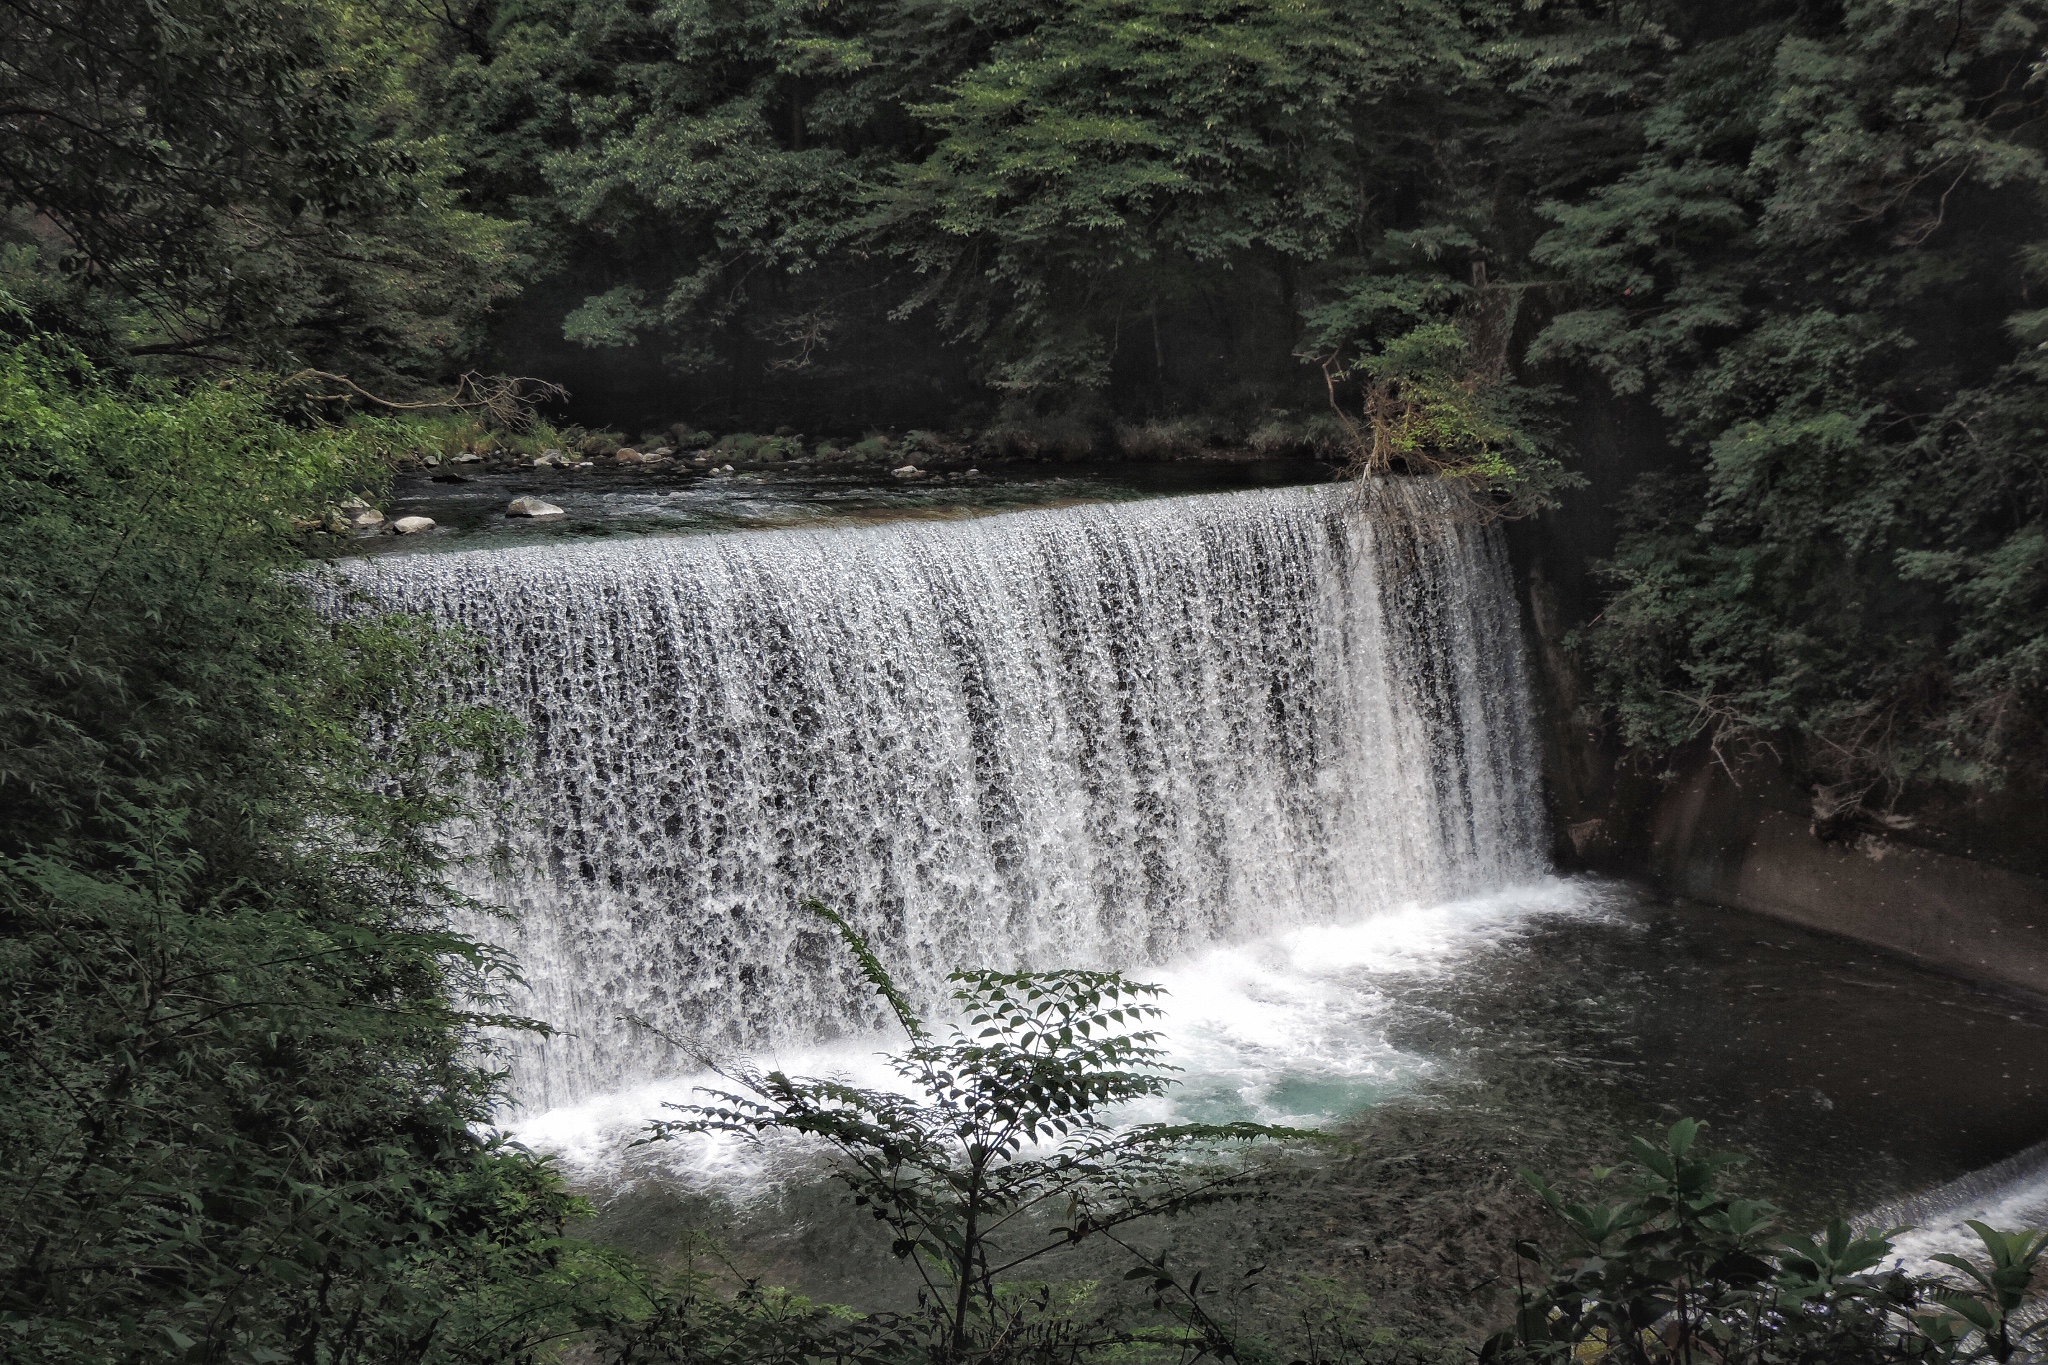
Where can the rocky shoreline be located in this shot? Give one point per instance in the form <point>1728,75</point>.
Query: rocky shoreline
<point>683,458</point>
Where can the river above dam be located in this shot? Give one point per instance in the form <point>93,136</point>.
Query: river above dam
<point>467,502</point>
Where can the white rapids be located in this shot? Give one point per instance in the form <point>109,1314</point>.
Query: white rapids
<point>1292,1030</point>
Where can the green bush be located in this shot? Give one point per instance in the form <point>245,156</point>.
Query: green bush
<point>1680,1270</point>
<point>239,1107</point>
<point>1004,1153</point>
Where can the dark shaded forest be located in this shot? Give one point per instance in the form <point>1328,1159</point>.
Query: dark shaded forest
<point>1791,246</point>
<point>1792,249</point>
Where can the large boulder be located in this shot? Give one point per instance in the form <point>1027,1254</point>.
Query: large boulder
<point>527,505</point>
<point>409,526</point>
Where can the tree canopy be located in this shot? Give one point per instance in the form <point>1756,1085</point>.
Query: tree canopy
<point>1801,236</point>
<point>237,183</point>
<point>1819,266</point>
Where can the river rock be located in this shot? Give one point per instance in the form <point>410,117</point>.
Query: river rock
<point>529,506</point>
<point>628,455</point>
<point>407,526</point>
<point>365,518</point>
<point>909,471</point>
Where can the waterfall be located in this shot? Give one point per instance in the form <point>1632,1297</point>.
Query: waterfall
<point>1101,735</point>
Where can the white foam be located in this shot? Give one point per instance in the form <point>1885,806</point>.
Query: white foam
<point>2019,1203</point>
<point>1292,1030</point>
<point>1094,736</point>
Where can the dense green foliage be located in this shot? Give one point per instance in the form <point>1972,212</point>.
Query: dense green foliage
<point>1167,207</point>
<point>241,1090</point>
<point>236,1100</point>
<point>235,181</point>
<point>241,1097</point>
<point>1680,1270</point>
<point>1819,267</point>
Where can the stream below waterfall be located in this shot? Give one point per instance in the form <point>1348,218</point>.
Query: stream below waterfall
<point>1533,1027</point>
<point>1270,748</point>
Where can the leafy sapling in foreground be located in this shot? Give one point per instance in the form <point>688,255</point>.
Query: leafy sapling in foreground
<point>1985,1316</point>
<point>1002,1152</point>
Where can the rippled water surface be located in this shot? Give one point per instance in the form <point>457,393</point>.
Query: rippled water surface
<point>468,503</point>
<point>1453,1043</point>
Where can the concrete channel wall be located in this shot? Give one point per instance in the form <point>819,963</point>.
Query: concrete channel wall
<point>1715,841</point>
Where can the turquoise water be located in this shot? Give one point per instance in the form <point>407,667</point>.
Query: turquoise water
<point>1453,1044</point>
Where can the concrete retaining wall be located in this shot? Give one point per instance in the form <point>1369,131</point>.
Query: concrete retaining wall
<point>1735,845</point>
